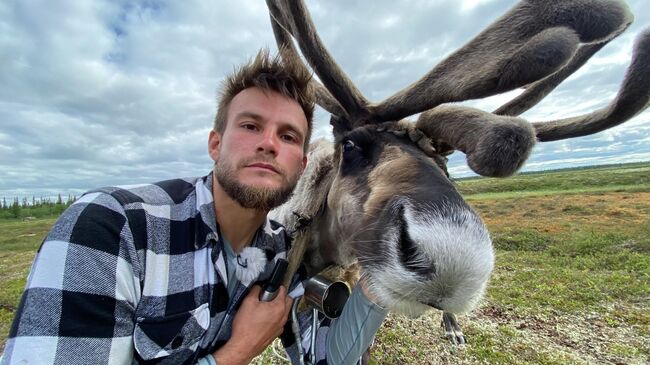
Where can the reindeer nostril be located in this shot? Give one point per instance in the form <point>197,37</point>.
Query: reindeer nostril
<point>410,256</point>
<point>435,305</point>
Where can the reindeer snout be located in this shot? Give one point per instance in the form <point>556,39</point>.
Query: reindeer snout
<point>446,248</point>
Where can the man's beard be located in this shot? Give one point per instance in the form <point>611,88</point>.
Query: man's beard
<point>252,197</point>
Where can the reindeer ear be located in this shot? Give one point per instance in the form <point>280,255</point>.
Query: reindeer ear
<point>495,145</point>
<point>340,126</point>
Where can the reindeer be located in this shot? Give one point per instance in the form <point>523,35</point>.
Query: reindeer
<point>379,196</point>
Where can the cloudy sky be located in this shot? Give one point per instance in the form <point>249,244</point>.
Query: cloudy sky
<point>96,93</point>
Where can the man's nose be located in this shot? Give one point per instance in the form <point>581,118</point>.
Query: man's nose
<point>268,143</point>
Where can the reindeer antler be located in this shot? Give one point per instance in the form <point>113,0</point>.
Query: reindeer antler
<point>537,91</point>
<point>498,145</point>
<point>533,40</point>
<point>535,44</point>
<point>633,97</point>
<point>297,21</point>
<point>282,35</point>
<point>494,145</point>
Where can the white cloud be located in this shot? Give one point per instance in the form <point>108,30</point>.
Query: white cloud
<point>468,5</point>
<point>105,92</point>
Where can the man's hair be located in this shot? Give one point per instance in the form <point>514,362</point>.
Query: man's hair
<point>268,73</point>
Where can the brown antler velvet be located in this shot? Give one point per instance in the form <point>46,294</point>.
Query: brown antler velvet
<point>280,27</point>
<point>537,91</point>
<point>495,145</point>
<point>537,44</point>
<point>633,97</point>
<point>533,40</point>
<point>335,80</point>
<point>498,145</point>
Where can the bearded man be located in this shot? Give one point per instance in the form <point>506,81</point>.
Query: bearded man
<point>166,273</point>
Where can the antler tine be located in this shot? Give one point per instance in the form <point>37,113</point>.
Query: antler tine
<point>533,40</point>
<point>335,80</point>
<point>289,52</point>
<point>537,91</point>
<point>632,98</point>
<point>494,145</point>
<point>498,145</point>
<point>326,101</point>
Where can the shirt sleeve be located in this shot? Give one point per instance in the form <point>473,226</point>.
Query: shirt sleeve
<point>351,334</point>
<point>81,292</point>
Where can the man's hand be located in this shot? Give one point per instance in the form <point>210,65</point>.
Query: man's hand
<point>255,326</point>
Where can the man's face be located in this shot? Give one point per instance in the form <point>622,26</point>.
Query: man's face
<point>259,157</point>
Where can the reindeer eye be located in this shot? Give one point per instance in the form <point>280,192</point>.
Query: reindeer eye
<point>348,145</point>
<point>354,158</point>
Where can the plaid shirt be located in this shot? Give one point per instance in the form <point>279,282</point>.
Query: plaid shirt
<point>134,275</point>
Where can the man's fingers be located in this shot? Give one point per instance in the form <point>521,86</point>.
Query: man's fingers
<point>287,307</point>
<point>288,300</point>
<point>282,292</point>
<point>255,290</point>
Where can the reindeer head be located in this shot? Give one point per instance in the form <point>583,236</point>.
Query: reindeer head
<point>392,207</point>
<point>389,202</point>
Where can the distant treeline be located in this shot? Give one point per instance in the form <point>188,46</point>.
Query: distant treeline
<point>34,208</point>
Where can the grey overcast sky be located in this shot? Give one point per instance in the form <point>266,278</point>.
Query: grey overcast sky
<point>96,93</point>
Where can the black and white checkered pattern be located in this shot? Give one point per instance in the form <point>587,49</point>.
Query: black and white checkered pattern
<point>133,275</point>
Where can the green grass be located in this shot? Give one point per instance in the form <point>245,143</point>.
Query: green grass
<point>631,177</point>
<point>585,271</point>
<point>19,241</point>
<point>471,195</point>
<point>571,283</point>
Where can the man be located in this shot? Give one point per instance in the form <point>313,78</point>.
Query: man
<point>167,272</point>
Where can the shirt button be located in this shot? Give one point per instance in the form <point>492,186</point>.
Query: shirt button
<point>178,341</point>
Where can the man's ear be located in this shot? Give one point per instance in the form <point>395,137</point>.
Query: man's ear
<point>214,145</point>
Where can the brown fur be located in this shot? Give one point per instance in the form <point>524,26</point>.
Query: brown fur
<point>537,91</point>
<point>393,176</point>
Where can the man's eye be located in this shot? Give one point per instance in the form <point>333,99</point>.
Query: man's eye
<point>249,126</point>
<point>289,138</point>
